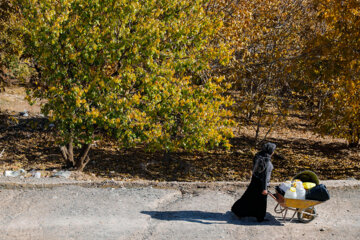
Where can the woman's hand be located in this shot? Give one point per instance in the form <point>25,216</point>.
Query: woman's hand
<point>264,192</point>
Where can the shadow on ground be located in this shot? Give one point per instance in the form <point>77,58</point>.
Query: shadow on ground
<point>210,218</point>
<point>30,143</point>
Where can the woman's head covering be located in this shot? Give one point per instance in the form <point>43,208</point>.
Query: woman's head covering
<point>262,158</point>
<point>268,148</point>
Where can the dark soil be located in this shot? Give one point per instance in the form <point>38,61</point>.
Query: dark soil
<point>29,143</point>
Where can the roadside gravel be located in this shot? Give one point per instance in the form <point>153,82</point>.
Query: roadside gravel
<point>31,182</point>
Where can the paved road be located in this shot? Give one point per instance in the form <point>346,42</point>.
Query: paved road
<point>75,212</point>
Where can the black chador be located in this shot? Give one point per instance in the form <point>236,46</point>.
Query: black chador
<point>253,201</point>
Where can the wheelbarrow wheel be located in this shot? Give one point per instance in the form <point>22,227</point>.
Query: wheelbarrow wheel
<point>307,215</point>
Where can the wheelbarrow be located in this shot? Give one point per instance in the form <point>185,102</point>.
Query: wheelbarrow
<point>304,209</point>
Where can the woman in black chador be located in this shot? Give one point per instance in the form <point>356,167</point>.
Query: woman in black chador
<point>253,202</point>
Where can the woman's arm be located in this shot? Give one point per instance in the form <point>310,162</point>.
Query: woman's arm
<point>264,182</point>
<point>267,177</point>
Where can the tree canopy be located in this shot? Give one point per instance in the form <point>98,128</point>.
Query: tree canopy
<point>133,69</point>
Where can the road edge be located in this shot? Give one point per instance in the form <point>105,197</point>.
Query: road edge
<point>14,183</point>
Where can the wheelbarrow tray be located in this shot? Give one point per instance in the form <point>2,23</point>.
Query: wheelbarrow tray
<point>299,203</point>
<point>299,206</point>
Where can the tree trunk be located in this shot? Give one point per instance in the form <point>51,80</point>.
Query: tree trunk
<point>80,162</point>
<point>257,133</point>
<point>270,129</point>
<point>67,152</point>
<point>84,158</point>
<point>354,136</point>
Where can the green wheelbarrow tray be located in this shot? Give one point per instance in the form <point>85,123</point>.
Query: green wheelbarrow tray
<point>307,176</point>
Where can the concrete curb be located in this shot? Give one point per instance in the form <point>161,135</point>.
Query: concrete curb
<point>31,183</point>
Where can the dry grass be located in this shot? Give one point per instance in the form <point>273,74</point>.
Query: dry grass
<point>13,101</point>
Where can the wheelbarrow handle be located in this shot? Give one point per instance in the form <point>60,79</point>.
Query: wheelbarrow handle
<point>272,195</point>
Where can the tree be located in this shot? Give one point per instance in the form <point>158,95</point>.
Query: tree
<point>132,69</point>
<point>266,37</point>
<point>332,68</point>
<point>11,47</point>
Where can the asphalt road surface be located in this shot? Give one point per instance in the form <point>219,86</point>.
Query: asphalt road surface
<point>75,212</point>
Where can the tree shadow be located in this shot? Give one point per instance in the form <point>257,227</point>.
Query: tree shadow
<point>336,150</point>
<point>30,143</point>
<point>210,218</point>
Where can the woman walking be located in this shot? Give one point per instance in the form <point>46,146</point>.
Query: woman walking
<point>253,201</point>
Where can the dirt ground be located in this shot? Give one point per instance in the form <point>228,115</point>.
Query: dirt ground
<point>30,143</point>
